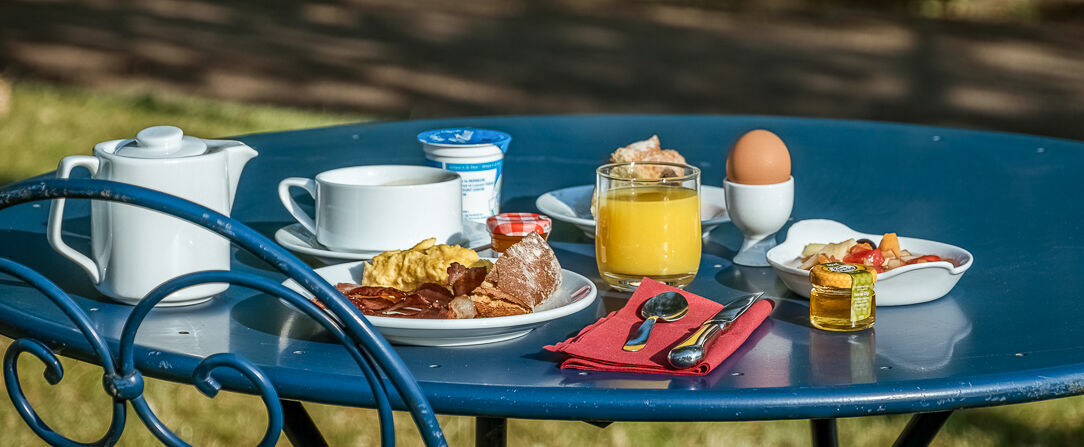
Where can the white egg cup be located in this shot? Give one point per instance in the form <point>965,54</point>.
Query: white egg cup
<point>759,211</point>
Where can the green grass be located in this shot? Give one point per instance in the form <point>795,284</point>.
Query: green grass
<point>48,122</point>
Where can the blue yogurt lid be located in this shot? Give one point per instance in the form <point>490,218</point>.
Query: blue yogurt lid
<point>465,136</point>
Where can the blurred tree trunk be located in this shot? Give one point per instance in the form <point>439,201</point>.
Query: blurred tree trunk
<point>5,97</point>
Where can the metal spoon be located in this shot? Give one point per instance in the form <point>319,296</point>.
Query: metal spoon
<point>666,306</point>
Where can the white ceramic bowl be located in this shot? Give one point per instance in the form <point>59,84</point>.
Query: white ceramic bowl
<point>440,332</point>
<point>573,205</point>
<point>910,284</point>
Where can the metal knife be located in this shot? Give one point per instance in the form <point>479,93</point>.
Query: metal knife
<point>691,351</point>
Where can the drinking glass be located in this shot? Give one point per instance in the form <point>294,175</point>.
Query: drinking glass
<point>648,223</point>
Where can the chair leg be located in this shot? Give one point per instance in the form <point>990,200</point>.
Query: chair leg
<point>490,432</point>
<point>922,428</point>
<point>599,423</point>
<point>298,425</point>
<point>823,432</point>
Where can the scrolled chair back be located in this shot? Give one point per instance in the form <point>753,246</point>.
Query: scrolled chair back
<point>124,383</point>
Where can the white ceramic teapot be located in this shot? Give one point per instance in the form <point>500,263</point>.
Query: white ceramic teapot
<point>135,249</point>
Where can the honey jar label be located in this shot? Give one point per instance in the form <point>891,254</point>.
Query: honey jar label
<point>839,267</point>
<point>861,295</point>
<point>861,288</point>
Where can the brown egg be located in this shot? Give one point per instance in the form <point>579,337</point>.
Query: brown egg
<point>758,158</point>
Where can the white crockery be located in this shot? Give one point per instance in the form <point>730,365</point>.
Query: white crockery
<point>477,155</point>
<point>573,205</point>
<point>910,284</point>
<point>133,250</point>
<point>296,238</point>
<point>758,211</point>
<point>382,207</point>
<point>451,332</point>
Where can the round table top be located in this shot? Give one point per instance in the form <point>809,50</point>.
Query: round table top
<point>1008,332</point>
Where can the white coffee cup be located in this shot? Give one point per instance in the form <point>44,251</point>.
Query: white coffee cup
<point>378,208</point>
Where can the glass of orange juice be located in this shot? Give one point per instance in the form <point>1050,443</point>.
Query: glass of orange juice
<point>648,223</point>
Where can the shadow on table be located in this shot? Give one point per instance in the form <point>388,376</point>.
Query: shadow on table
<point>268,229</point>
<point>32,249</point>
<point>267,314</point>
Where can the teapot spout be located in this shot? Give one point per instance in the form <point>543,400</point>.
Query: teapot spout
<point>238,156</point>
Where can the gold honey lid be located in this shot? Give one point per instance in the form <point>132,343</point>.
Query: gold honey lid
<point>840,275</point>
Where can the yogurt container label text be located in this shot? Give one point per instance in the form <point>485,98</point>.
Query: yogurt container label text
<point>477,155</point>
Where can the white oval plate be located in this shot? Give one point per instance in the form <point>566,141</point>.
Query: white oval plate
<point>910,284</point>
<point>573,205</point>
<point>296,238</point>
<point>450,332</point>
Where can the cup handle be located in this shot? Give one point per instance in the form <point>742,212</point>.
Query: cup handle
<point>292,207</point>
<point>56,216</point>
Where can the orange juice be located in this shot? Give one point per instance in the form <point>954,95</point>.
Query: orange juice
<point>649,231</point>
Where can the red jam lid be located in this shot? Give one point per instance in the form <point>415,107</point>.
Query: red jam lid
<point>519,224</point>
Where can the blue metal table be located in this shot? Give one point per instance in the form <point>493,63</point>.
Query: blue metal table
<point>1009,332</point>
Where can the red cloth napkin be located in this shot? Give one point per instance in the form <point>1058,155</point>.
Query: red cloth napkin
<point>598,346</point>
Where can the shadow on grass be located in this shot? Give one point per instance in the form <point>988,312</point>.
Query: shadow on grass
<point>431,59</point>
<point>1010,428</point>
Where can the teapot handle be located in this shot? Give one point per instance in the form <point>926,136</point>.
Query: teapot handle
<point>56,215</point>
<point>292,207</point>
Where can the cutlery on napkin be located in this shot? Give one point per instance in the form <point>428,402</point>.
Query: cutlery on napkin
<point>599,346</point>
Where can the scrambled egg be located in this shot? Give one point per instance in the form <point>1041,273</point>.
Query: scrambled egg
<point>425,262</point>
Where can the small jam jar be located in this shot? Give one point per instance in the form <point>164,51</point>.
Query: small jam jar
<point>842,297</point>
<point>509,228</point>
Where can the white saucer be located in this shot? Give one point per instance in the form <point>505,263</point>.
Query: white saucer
<point>574,294</point>
<point>299,240</point>
<point>573,205</point>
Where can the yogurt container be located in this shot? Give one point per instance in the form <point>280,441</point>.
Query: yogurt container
<point>477,155</point>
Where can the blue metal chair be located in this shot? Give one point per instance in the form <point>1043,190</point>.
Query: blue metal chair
<point>377,360</point>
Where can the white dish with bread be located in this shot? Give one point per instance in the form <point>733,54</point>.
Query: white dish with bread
<point>576,206</point>
<point>440,295</point>
<point>906,284</point>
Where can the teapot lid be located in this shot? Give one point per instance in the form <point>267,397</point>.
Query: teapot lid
<point>162,142</point>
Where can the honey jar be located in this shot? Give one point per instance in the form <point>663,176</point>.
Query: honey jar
<point>842,298</point>
<point>508,228</point>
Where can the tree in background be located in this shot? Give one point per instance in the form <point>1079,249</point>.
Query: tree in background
<point>5,98</point>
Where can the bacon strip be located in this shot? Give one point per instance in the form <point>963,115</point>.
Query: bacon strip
<point>429,300</point>
<point>463,280</point>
